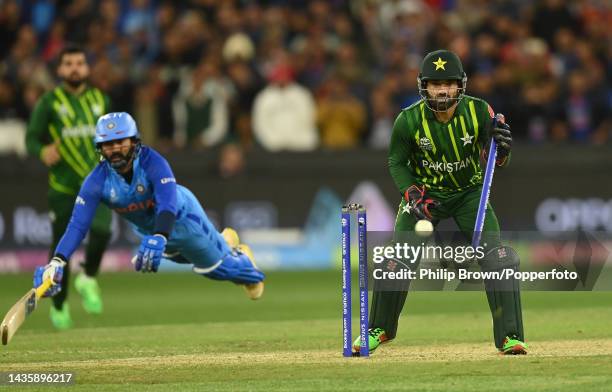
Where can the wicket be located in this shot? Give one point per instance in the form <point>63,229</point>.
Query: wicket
<point>364,348</point>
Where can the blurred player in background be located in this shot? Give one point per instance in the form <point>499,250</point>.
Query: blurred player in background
<point>434,158</point>
<point>60,133</point>
<point>138,184</point>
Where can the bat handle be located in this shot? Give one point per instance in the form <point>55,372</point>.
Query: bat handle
<point>40,290</point>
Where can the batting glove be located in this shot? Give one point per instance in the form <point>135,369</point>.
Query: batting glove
<point>150,253</point>
<point>419,204</point>
<point>54,271</point>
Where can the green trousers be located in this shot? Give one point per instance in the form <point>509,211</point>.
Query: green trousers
<point>462,207</point>
<point>60,206</point>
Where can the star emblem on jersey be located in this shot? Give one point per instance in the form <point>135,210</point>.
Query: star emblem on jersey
<point>406,209</point>
<point>425,144</point>
<point>467,139</point>
<point>440,64</point>
<point>96,109</point>
<point>63,110</point>
<point>110,125</point>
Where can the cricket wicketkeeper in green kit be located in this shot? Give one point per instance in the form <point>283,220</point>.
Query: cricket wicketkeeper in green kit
<point>60,133</point>
<point>434,159</point>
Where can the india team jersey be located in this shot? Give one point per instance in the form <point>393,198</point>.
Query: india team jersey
<point>441,156</point>
<point>152,189</point>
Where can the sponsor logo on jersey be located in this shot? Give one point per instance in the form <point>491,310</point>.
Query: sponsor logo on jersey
<point>449,167</point>
<point>140,188</point>
<point>167,180</point>
<point>137,206</point>
<point>425,144</point>
<point>79,131</point>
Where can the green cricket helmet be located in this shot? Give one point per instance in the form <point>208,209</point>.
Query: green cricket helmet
<point>441,65</point>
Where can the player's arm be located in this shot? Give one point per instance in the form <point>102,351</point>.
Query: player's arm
<point>82,215</point>
<point>164,191</point>
<point>399,154</point>
<point>36,136</point>
<point>399,160</point>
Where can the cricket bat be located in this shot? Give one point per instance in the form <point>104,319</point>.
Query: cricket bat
<point>18,313</point>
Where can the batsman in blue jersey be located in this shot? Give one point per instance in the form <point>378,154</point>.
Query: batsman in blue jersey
<point>137,182</point>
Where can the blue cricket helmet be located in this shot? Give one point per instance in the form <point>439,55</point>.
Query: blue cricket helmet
<point>113,126</point>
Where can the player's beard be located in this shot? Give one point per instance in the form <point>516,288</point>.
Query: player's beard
<point>123,160</point>
<point>442,103</point>
<point>75,81</point>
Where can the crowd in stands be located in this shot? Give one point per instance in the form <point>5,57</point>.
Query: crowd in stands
<point>301,75</point>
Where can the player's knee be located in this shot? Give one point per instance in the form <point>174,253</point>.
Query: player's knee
<point>500,258</point>
<point>235,267</point>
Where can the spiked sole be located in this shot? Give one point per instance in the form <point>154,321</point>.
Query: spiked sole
<point>517,349</point>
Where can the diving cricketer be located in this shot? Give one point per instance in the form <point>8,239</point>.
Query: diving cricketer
<point>137,182</point>
<point>434,159</point>
<point>60,133</point>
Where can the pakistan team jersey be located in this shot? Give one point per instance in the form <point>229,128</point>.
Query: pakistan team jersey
<point>69,119</point>
<point>441,156</point>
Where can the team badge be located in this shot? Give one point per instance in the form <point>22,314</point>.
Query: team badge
<point>440,64</point>
<point>113,194</point>
<point>425,144</point>
<point>96,109</point>
<point>501,252</point>
<point>63,110</point>
<point>110,125</point>
<point>140,188</point>
<point>467,139</point>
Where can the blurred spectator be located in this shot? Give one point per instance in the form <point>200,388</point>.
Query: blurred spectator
<point>521,56</point>
<point>12,129</point>
<point>383,113</point>
<point>246,84</point>
<point>201,106</point>
<point>340,116</point>
<point>284,114</point>
<point>231,161</point>
<point>580,114</point>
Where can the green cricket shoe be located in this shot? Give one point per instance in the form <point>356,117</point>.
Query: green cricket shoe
<point>61,319</point>
<point>377,336</point>
<point>89,290</point>
<point>513,346</point>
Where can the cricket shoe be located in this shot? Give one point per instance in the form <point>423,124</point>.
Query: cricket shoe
<point>89,290</point>
<point>513,346</point>
<point>61,319</point>
<point>231,237</point>
<point>253,290</point>
<point>377,336</point>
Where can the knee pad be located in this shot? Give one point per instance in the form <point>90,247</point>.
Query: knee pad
<point>500,258</point>
<point>235,267</point>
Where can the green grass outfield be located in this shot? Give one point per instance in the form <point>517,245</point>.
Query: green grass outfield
<point>178,331</point>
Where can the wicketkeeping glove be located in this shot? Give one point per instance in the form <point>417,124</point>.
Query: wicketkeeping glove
<point>54,271</point>
<point>503,137</point>
<point>419,204</point>
<point>150,253</point>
